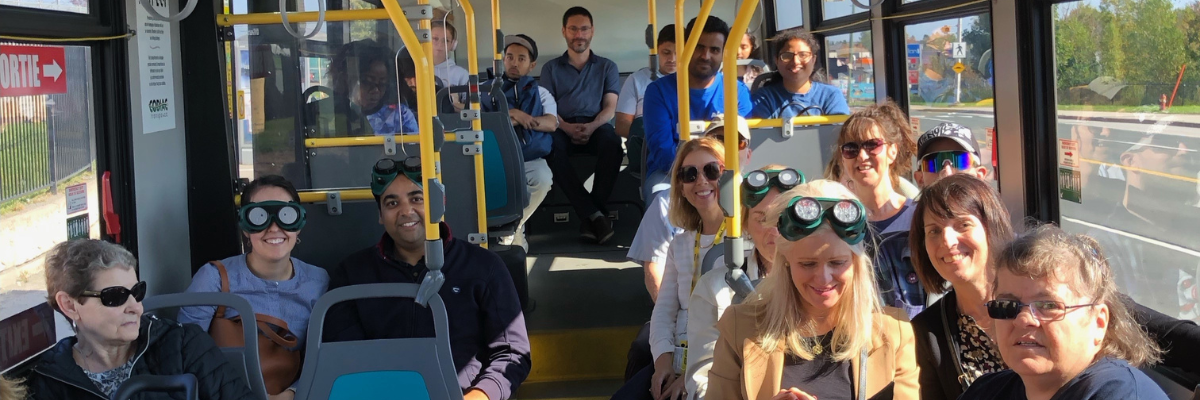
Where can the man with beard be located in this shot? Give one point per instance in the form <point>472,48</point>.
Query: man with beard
<point>791,87</point>
<point>706,95</point>
<point>533,119</point>
<point>488,340</point>
<point>585,86</point>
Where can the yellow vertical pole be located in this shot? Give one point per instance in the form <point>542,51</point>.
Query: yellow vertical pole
<point>685,58</point>
<point>476,125</point>
<point>741,23</point>
<point>499,53</point>
<point>653,35</point>
<point>425,104</point>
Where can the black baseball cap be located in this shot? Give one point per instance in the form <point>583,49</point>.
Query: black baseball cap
<point>525,41</point>
<point>948,130</point>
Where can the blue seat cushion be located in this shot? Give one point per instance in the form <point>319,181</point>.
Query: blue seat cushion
<point>392,385</point>
<point>494,177</point>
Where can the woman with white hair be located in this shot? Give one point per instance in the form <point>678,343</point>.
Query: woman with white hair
<point>818,330</point>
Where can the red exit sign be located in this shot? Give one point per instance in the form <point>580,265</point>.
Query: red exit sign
<point>32,70</point>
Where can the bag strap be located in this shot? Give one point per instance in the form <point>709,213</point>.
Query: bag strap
<point>862,375</point>
<point>288,340</point>
<point>955,357</point>
<point>224,286</point>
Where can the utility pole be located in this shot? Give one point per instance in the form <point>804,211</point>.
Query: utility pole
<point>958,75</point>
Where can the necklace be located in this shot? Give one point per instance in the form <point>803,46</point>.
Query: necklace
<point>818,348</point>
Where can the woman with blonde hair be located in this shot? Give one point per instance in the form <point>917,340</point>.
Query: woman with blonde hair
<point>817,330</point>
<point>11,389</point>
<point>694,195</point>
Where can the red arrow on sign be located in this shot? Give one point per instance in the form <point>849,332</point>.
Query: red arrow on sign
<point>1068,154</point>
<point>32,70</point>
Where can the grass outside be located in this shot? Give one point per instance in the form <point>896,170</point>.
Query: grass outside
<point>18,204</point>
<point>24,157</point>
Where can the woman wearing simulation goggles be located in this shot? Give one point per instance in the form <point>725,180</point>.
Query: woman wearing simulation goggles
<point>817,330</point>
<point>282,289</point>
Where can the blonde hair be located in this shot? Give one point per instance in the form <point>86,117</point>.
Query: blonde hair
<point>11,389</point>
<point>682,213</point>
<point>1047,251</point>
<point>782,320</point>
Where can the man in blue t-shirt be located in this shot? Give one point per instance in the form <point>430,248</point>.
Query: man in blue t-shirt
<point>793,92</point>
<point>706,95</point>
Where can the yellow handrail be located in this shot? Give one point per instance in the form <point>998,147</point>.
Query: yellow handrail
<point>653,33</point>
<point>806,120</point>
<point>317,143</point>
<point>346,194</point>
<point>685,58</point>
<point>477,124</point>
<point>425,102</point>
<point>740,25</point>
<point>496,29</point>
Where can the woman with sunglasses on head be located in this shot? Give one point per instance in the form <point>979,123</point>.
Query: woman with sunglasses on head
<point>1061,325</point>
<point>694,198</point>
<point>817,329</point>
<point>282,289</point>
<point>94,284</point>
<point>713,294</point>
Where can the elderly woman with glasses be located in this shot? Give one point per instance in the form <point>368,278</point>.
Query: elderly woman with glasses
<point>94,284</point>
<point>817,329</point>
<point>1061,325</point>
<point>791,90</point>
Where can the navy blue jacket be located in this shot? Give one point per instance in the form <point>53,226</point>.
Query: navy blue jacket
<point>522,94</point>
<point>488,340</point>
<point>1107,379</point>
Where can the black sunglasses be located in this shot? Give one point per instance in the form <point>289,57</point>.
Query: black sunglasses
<point>872,146</point>
<point>712,171</point>
<point>116,296</point>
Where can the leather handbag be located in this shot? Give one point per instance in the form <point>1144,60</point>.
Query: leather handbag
<point>278,349</point>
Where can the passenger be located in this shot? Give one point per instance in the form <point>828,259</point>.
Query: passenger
<point>445,40</point>
<point>796,53</point>
<point>531,120</point>
<point>630,101</point>
<point>407,69</point>
<point>364,101</point>
<point>488,341</point>
<point>961,218</point>
<point>817,330</point>
<point>706,96</point>
<point>281,289</point>
<point>1078,340</point>
<point>945,150</point>
<point>713,294</point>
<point>585,86</point>
<point>94,284</point>
<point>694,191</point>
<point>748,49</point>
<point>874,153</point>
<point>11,389</point>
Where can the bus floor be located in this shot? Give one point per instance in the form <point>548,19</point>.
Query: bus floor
<point>588,303</point>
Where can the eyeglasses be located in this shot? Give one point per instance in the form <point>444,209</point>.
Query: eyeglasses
<point>934,162</point>
<point>804,215</point>
<point>758,183</point>
<point>873,146</point>
<point>741,140</point>
<point>116,296</point>
<point>257,217</point>
<point>1043,310</point>
<point>712,171</point>
<point>788,56</point>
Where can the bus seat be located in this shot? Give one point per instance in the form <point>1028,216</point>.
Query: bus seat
<point>244,359</point>
<point>139,384</point>
<point>810,147</point>
<point>635,149</point>
<point>421,368</point>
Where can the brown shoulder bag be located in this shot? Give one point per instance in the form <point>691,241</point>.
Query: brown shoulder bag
<point>280,366</point>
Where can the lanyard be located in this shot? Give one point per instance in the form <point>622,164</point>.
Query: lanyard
<point>696,253</point>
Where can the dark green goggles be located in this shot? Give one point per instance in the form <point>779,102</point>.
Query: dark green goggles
<point>804,215</point>
<point>257,217</point>
<point>386,170</point>
<point>759,182</point>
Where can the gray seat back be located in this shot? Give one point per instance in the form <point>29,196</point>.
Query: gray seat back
<point>808,150</point>
<point>244,359</point>
<point>379,368</point>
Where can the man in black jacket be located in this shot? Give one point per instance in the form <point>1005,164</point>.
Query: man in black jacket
<point>488,340</point>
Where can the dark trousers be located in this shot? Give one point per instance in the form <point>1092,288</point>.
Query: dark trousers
<point>639,369</point>
<point>637,388</point>
<point>606,145</point>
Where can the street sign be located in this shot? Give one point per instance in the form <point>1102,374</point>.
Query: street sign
<point>1070,186</point>
<point>78,227</point>
<point>959,67</point>
<point>77,200</point>
<point>916,124</point>
<point>914,50</point>
<point>958,50</point>
<point>1068,153</point>
<point>914,63</point>
<point>914,77</point>
<point>30,70</point>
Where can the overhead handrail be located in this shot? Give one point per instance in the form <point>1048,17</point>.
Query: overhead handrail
<point>685,58</point>
<point>283,15</point>
<point>358,141</point>
<point>431,185</point>
<point>184,13</point>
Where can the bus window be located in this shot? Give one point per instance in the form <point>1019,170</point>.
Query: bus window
<point>48,184</point>
<point>788,14</point>
<point>949,73</point>
<point>74,6</point>
<point>839,8</point>
<point>849,66</point>
<point>1128,134</point>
